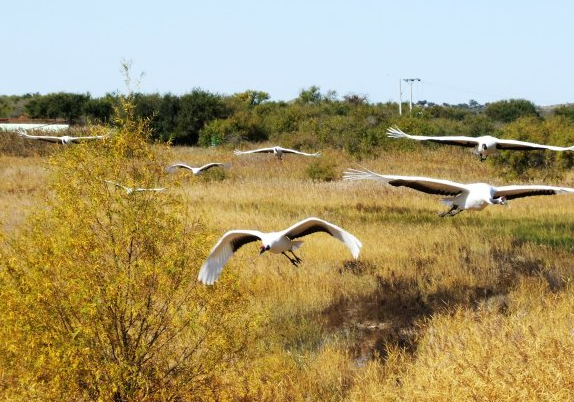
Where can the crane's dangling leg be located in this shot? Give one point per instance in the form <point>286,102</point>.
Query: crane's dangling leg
<point>294,262</point>
<point>455,212</point>
<point>451,212</point>
<point>296,258</point>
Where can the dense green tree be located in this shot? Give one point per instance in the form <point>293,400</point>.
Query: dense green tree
<point>447,112</point>
<point>507,111</point>
<point>36,108</point>
<point>147,105</point>
<point>310,95</point>
<point>100,110</point>
<point>66,105</point>
<point>242,125</point>
<point>566,111</point>
<point>476,125</point>
<point>355,99</point>
<point>5,106</point>
<point>165,123</point>
<point>197,108</point>
<point>252,97</point>
<point>63,105</point>
<point>277,117</point>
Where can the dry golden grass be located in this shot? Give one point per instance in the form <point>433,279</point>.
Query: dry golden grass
<point>475,307</point>
<point>21,188</point>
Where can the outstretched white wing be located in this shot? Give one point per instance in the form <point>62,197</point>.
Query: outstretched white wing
<point>149,189</point>
<point>130,190</point>
<point>464,141</point>
<point>47,138</point>
<point>525,146</point>
<point>424,184</point>
<point>119,185</point>
<point>293,151</point>
<point>62,140</point>
<point>229,243</point>
<point>314,225</point>
<point>195,170</point>
<point>460,140</point>
<point>209,166</point>
<point>176,166</point>
<point>87,138</point>
<point>512,192</point>
<point>254,151</point>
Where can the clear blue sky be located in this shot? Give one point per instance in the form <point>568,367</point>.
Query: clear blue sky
<point>484,50</point>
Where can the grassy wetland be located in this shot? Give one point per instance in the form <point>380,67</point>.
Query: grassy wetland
<point>100,299</point>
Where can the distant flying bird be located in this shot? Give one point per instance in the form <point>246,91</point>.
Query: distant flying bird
<point>485,145</point>
<point>278,151</point>
<point>473,196</point>
<point>276,242</point>
<point>130,190</point>
<point>66,139</point>
<point>196,170</point>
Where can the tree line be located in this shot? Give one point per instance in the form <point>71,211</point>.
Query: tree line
<point>314,118</point>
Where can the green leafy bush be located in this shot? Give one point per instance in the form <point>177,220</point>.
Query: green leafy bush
<point>322,170</point>
<point>507,111</point>
<point>537,164</point>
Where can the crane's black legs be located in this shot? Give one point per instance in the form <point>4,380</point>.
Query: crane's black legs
<point>296,258</point>
<point>451,212</point>
<point>295,261</point>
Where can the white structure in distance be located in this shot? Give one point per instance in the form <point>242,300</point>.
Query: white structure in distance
<point>33,126</point>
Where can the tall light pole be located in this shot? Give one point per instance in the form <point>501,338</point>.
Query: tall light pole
<point>409,81</point>
<point>400,98</point>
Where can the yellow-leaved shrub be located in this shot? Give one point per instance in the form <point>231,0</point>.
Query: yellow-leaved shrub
<point>98,290</point>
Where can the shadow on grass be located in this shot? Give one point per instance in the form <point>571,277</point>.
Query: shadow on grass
<point>394,314</point>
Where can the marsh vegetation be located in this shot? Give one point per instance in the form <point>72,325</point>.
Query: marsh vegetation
<point>100,301</point>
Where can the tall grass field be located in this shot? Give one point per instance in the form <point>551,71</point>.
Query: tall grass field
<point>479,306</point>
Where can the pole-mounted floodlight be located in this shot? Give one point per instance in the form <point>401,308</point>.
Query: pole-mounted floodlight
<point>410,81</point>
<point>400,99</point>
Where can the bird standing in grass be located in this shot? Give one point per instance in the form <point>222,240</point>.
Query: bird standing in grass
<point>485,145</point>
<point>275,242</point>
<point>473,196</point>
<point>278,151</point>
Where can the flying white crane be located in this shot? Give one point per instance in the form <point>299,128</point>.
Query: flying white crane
<point>473,196</point>
<point>64,140</point>
<point>130,190</point>
<point>278,151</point>
<point>485,145</point>
<point>196,170</point>
<point>275,242</point>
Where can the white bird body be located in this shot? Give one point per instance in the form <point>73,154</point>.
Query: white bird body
<point>195,170</point>
<point>473,196</point>
<point>484,146</point>
<point>275,242</point>
<point>130,190</point>
<point>278,242</point>
<point>64,140</point>
<point>277,151</point>
<point>476,196</point>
